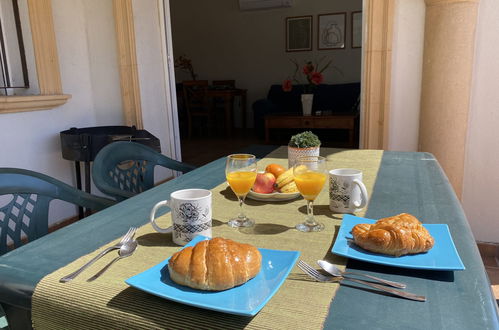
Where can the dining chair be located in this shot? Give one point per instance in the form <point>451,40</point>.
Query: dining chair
<point>25,198</point>
<point>125,169</point>
<point>197,104</point>
<point>225,83</point>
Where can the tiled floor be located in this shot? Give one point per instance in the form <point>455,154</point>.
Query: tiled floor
<point>490,257</point>
<point>202,150</point>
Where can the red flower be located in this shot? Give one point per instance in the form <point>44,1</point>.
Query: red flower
<point>287,85</point>
<point>316,78</point>
<point>308,68</point>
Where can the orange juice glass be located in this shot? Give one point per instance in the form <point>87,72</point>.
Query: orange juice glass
<point>240,171</point>
<point>310,174</point>
<point>241,182</point>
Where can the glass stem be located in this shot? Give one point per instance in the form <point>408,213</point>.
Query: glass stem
<point>241,215</point>
<point>310,213</point>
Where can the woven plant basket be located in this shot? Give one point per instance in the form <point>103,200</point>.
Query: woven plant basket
<point>294,153</point>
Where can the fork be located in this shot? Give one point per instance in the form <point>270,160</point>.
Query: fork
<point>312,272</point>
<point>128,236</point>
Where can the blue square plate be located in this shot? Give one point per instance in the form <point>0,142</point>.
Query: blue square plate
<point>443,255</point>
<point>246,300</point>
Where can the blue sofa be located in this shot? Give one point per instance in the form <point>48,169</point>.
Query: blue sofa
<point>340,98</point>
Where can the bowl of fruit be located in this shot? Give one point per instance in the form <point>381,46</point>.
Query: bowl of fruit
<point>275,184</point>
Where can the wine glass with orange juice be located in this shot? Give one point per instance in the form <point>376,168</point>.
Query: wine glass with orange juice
<point>310,174</point>
<point>240,171</point>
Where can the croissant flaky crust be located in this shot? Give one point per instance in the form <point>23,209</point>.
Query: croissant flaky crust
<point>216,264</point>
<point>398,235</point>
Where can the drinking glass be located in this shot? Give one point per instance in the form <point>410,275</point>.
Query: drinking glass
<point>240,171</point>
<point>310,174</point>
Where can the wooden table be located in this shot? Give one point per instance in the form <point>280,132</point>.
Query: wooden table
<point>338,121</point>
<point>406,181</point>
<point>227,95</point>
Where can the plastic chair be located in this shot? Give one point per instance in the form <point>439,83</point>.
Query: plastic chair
<point>124,169</point>
<point>25,216</point>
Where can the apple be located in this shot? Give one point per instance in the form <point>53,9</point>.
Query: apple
<point>264,183</point>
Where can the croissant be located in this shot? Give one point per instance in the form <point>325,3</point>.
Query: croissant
<point>215,265</point>
<point>398,235</point>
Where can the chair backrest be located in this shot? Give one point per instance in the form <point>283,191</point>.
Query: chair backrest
<point>195,95</point>
<point>24,204</point>
<point>124,169</point>
<point>224,83</point>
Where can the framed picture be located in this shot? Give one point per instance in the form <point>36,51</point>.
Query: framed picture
<point>356,29</point>
<point>331,31</point>
<point>298,33</point>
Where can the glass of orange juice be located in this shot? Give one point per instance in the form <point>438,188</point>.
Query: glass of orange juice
<point>310,174</point>
<point>240,171</point>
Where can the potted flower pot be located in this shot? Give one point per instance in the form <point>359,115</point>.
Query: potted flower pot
<point>303,144</point>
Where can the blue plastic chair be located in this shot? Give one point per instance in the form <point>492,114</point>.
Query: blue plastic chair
<point>125,169</point>
<point>28,194</point>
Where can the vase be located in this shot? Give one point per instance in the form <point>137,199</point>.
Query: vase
<point>294,153</point>
<point>306,103</point>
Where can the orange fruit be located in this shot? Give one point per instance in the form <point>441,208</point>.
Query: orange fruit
<point>275,169</point>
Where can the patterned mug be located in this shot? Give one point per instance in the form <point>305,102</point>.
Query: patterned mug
<point>191,215</point>
<point>347,193</point>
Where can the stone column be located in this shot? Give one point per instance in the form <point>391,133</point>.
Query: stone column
<point>447,71</point>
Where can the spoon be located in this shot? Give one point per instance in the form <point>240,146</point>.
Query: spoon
<point>335,271</point>
<point>125,250</point>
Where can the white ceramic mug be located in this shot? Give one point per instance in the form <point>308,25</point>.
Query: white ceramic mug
<point>347,193</point>
<point>191,214</point>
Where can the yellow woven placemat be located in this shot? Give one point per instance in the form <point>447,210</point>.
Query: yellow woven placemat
<point>108,303</point>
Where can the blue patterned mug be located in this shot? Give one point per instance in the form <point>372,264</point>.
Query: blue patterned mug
<point>347,193</point>
<point>190,212</point>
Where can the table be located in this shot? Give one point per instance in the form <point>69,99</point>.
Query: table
<point>338,121</point>
<point>407,181</point>
<point>227,95</point>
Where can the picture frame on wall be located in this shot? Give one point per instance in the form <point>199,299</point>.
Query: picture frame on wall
<point>298,33</point>
<point>356,29</point>
<point>331,31</point>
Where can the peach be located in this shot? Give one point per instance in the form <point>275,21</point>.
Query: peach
<point>264,183</point>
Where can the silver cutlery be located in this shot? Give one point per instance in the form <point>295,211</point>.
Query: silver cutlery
<point>335,271</point>
<point>127,237</point>
<point>125,250</point>
<point>312,272</point>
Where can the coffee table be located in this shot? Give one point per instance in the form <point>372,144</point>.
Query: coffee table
<point>347,121</point>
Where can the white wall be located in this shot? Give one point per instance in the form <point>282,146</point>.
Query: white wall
<point>481,178</point>
<point>407,65</point>
<point>249,46</point>
<point>86,44</point>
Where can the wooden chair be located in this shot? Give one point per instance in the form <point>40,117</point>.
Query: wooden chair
<point>24,216</point>
<point>226,83</point>
<point>124,169</point>
<point>197,102</point>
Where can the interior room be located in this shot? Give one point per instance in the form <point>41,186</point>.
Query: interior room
<point>256,164</point>
<point>229,41</point>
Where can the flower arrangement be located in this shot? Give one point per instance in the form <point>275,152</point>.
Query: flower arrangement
<point>185,64</point>
<point>312,72</point>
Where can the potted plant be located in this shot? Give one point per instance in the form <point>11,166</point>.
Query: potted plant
<point>303,144</point>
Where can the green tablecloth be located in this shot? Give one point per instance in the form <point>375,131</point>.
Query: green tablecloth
<point>300,303</point>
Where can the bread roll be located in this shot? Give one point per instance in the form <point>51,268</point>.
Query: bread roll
<point>398,235</point>
<point>216,264</point>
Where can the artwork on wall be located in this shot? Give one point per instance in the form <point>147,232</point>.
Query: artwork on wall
<point>356,29</point>
<point>298,33</point>
<point>331,31</point>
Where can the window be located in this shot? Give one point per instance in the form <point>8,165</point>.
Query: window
<point>13,67</point>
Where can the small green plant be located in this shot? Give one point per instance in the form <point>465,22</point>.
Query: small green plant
<point>304,140</point>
